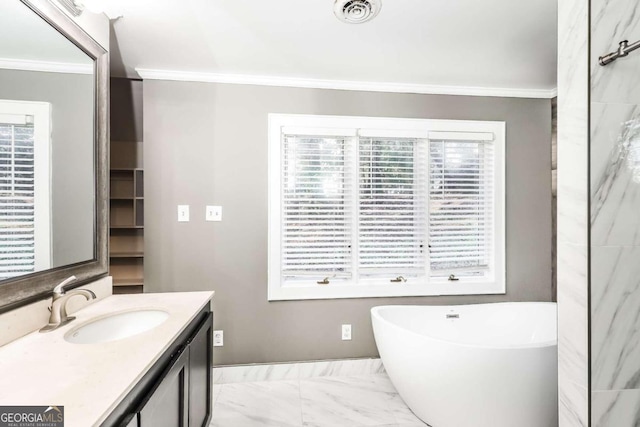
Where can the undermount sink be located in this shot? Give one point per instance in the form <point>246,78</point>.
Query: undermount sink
<point>116,326</point>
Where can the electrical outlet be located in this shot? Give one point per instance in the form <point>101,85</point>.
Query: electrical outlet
<point>218,338</point>
<point>214,213</point>
<point>346,332</point>
<point>183,213</point>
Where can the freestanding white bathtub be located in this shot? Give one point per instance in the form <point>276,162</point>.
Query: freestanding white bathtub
<point>484,365</point>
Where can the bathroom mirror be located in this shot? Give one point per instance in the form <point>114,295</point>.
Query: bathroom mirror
<point>53,161</point>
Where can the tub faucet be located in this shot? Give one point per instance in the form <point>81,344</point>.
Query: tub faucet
<point>59,301</point>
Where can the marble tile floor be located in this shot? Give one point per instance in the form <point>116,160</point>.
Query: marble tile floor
<point>337,401</point>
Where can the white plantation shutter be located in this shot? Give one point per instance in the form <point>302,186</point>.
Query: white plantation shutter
<point>392,207</point>
<point>362,201</point>
<point>17,225</point>
<point>461,204</point>
<point>316,207</point>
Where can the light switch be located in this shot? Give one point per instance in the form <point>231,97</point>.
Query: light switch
<point>183,213</point>
<point>214,213</point>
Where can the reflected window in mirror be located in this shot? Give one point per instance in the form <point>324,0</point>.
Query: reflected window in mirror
<point>51,224</point>
<point>25,193</point>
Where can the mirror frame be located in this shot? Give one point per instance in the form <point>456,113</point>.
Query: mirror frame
<point>36,286</point>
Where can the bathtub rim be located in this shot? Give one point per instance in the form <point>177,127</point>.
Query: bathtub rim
<point>544,344</point>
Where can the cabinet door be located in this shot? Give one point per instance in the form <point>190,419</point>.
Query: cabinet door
<point>168,402</point>
<point>200,374</point>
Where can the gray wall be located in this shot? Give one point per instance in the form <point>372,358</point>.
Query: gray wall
<point>207,144</point>
<point>72,184</point>
<point>126,123</point>
<point>126,109</point>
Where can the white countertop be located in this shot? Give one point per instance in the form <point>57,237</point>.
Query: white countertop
<point>90,380</point>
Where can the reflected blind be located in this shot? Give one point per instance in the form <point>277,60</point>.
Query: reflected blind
<point>316,208</point>
<point>461,206</point>
<point>392,207</point>
<point>17,241</point>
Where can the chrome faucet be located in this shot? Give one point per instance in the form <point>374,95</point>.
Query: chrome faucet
<point>59,301</point>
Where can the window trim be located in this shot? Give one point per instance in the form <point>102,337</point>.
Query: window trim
<point>418,128</point>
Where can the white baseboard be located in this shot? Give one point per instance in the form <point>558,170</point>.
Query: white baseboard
<point>296,371</point>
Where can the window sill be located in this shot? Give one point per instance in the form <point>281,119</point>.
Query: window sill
<point>338,291</point>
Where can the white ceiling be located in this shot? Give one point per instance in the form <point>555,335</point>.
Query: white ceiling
<point>469,43</point>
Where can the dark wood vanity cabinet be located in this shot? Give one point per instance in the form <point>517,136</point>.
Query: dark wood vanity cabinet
<point>167,405</point>
<point>201,375</point>
<point>177,391</point>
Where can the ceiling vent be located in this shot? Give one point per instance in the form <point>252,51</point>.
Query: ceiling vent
<point>356,11</point>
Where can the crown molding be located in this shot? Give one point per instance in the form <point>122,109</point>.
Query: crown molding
<point>45,66</point>
<point>245,79</point>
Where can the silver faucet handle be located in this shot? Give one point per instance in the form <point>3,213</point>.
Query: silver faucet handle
<point>59,289</point>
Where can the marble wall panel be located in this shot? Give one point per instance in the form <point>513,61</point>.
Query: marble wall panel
<point>615,174</point>
<point>611,22</point>
<point>572,211</point>
<point>615,408</point>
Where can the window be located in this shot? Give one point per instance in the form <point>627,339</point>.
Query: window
<point>24,188</point>
<point>368,207</point>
